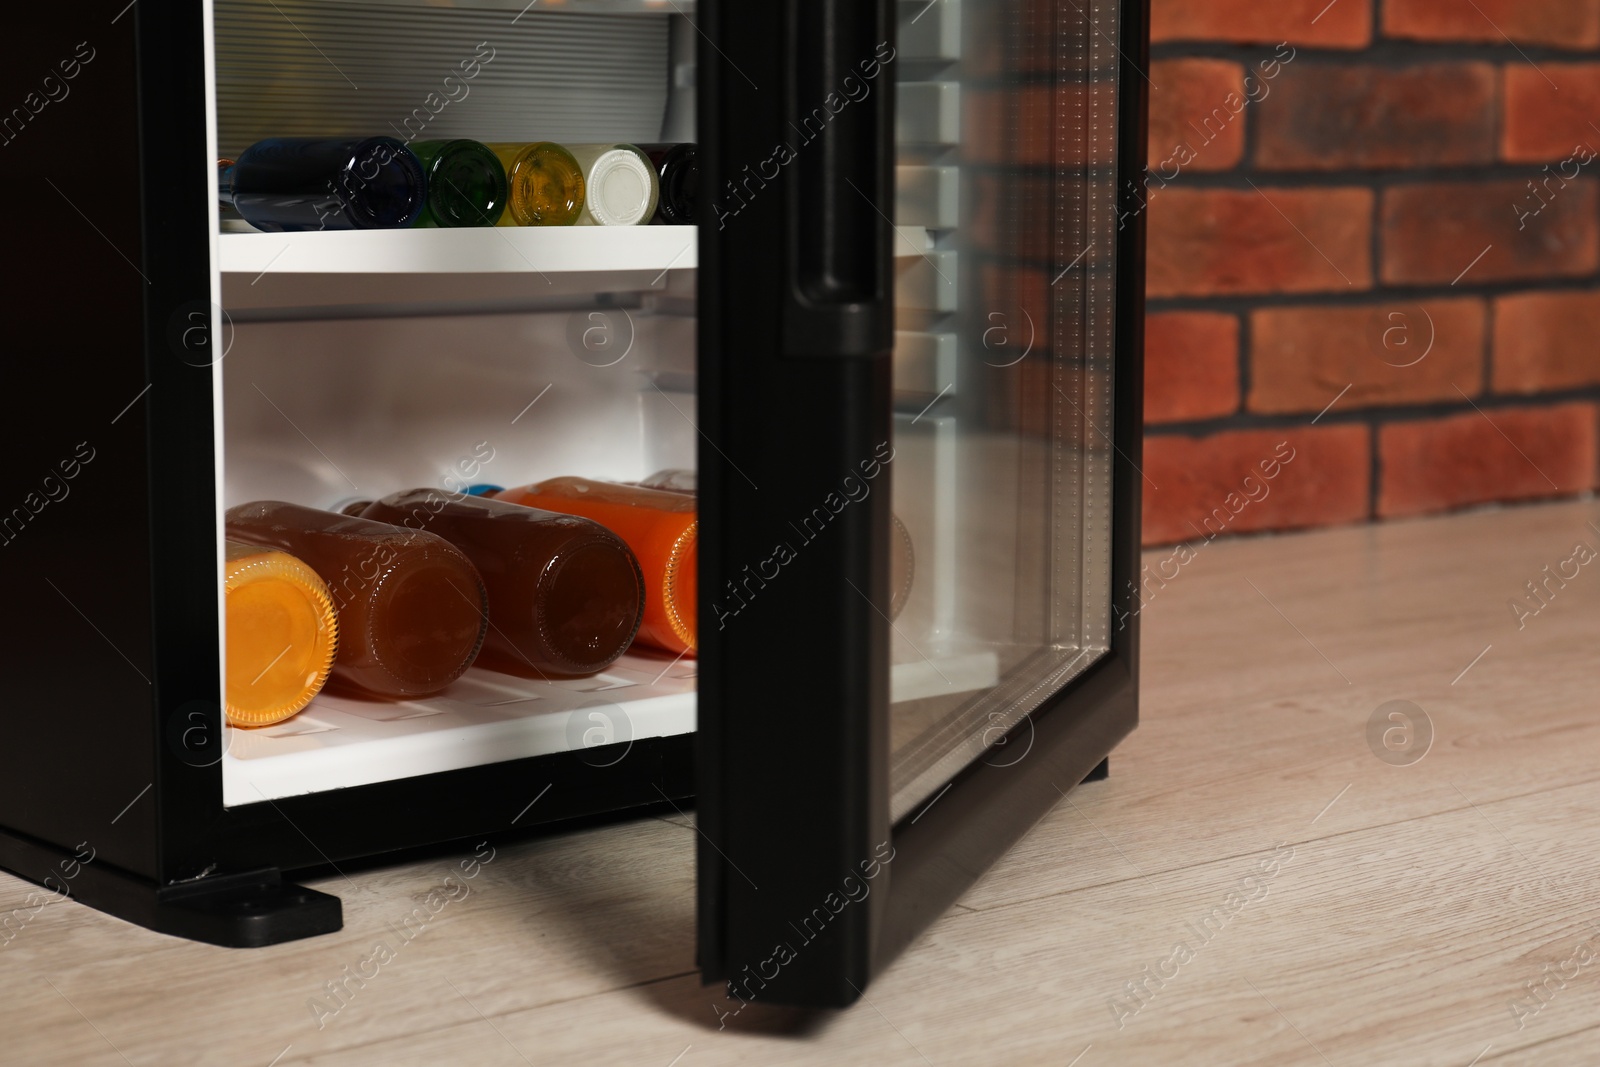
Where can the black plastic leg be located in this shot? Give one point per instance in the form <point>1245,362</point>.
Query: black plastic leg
<point>1102,770</point>
<point>235,911</point>
<point>246,911</point>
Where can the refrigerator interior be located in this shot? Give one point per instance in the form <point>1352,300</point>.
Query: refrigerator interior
<point>356,364</point>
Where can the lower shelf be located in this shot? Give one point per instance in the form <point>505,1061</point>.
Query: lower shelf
<point>487,717</point>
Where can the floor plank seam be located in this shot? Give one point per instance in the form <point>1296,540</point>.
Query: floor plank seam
<point>1147,875</point>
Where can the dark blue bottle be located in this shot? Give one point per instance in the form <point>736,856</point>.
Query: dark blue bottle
<point>305,183</point>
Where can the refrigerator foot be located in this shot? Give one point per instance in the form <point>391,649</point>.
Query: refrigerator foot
<point>248,910</point>
<point>1102,770</point>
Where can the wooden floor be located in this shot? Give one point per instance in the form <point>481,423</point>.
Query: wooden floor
<point>1334,908</point>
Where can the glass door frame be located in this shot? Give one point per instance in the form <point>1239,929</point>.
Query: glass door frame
<point>794,812</point>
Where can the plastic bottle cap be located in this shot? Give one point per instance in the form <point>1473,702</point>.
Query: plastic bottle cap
<point>619,188</point>
<point>282,636</point>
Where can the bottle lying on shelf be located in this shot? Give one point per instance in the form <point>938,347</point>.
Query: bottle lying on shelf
<point>466,183</point>
<point>661,530</point>
<point>902,566</point>
<point>677,169</point>
<point>287,184</point>
<point>412,608</point>
<point>225,209</point>
<point>544,182</point>
<point>619,182</point>
<point>673,480</point>
<point>565,594</point>
<point>902,554</point>
<point>282,634</point>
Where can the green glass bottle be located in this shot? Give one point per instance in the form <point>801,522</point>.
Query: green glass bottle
<point>466,183</point>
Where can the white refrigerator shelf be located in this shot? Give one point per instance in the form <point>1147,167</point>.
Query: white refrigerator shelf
<point>488,717</point>
<point>481,250</point>
<point>647,250</point>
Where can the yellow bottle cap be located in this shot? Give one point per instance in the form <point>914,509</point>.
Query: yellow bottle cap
<point>282,635</point>
<point>680,586</point>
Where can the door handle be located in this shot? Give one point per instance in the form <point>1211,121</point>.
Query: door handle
<point>840,103</point>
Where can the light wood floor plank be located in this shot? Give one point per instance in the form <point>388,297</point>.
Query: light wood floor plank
<point>1418,903</point>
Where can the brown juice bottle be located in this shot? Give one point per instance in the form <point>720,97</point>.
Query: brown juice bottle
<point>412,608</point>
<point>565,594</point>
<point>661,530</point>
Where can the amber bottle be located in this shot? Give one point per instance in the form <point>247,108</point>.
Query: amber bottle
<point>412,609</point>
<point>659,526</point>
<point>565,594</point>
<point>544,184</point>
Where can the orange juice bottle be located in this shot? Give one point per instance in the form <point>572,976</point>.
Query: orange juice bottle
<point>282,635</point>
<point>902,554</point>
<point>659,526</point>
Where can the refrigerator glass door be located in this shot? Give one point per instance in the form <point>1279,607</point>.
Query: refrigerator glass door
<point>921,538</point>
<point>1006,130</point>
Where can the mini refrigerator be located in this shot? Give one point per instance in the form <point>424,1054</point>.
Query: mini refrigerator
<point>900,351</point>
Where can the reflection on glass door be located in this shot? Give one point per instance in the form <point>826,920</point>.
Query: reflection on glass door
<point>1006,128</point>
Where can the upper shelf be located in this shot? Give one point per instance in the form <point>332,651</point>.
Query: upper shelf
<point>448,270</point>
<point>647,251</point>
<point>642,250</point>
<point>523,7</point>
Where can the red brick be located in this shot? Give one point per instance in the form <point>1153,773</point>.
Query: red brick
<point>1460,460</point>
<point>1557,23</point>
<point>1546,341</point>
<point>1208,242</point>
<point>1432,233</point>
<point>1044,397</point>
<point>1012,216</point>
<point>1343,24</point>
<point>1007,127</point>
<point>1201,104</point>
<point>1023,41</point>
<point>1021,297</point>
<point>1550,111</point>
<point>1191,366</point>
<point>1390,353</point>
<point>1202,481</point>
<point>1020,126</point>
<point>1324,116</point>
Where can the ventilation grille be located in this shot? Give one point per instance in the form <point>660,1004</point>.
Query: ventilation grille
<point>311,68</point>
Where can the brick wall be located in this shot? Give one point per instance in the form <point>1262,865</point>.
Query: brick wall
<point>1374,259</point>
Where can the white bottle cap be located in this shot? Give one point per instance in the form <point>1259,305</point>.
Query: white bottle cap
<point>620,188</point>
